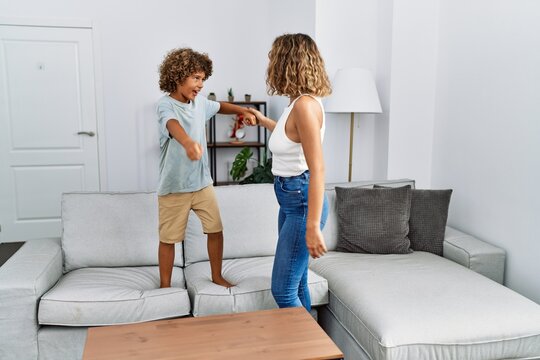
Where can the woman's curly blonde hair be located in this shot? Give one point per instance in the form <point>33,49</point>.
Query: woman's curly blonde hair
<point>296,67</point>
<point>179,64</point>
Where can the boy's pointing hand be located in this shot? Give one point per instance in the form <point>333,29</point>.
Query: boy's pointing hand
<point>194,151</point>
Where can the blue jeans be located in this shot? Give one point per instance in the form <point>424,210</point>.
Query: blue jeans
<point>289,274</point>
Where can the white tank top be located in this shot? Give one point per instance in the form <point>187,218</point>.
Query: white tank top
<point>288,156</point>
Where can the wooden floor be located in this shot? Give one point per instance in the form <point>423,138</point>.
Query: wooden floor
<point>269,334</point>
<point>8,249</point>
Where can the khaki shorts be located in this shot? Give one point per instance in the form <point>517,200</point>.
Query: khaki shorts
<point>174,212</point>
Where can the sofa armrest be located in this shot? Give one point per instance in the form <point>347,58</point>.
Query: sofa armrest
<point>27,275</point>
<point>475,254</point>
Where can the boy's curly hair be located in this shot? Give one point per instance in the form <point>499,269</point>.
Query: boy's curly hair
<point>296,67</point>
<point>179,64</point>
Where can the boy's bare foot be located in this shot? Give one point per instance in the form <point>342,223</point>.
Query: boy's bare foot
<point>221,281</point>
<point>164,286</point>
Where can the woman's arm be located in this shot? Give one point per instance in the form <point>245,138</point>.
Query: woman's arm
<point>263,120</point>
<point>307,114</point>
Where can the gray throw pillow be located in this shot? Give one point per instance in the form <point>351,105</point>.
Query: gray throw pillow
<point>427,224</point>
<point>374,221</point>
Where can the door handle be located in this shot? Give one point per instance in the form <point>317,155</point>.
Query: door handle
<point>89,133</point>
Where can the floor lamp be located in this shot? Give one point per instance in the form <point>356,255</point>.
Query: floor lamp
<point>353,91</point>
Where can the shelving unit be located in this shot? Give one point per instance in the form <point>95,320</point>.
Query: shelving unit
<point>214,146</point>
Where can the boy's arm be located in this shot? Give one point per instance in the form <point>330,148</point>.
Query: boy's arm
<point>228,108</point>
<point>194,150</point>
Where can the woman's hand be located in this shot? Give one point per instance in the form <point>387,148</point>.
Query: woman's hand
<point>258,115</point>
<point>262,120</point>
<point>315,242</point>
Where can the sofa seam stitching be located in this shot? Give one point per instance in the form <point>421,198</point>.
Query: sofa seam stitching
<point>47,267</point>
<point>112,324</point>
<point>465,251</point>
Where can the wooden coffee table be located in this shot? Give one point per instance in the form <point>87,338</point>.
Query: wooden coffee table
<point>269,334</point>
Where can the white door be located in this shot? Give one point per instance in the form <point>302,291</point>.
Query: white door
<point>48,126</point>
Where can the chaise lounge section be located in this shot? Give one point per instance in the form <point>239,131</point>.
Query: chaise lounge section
<point>424,306</point>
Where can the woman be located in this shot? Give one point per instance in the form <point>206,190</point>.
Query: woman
<point>296,70</point>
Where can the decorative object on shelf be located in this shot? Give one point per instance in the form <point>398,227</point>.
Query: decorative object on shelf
<point>247,97</point>
<point>262,173</point>
<point>236,129</point>
<point>230,94</point>
<point>212,96</point>
<point>353,91</point>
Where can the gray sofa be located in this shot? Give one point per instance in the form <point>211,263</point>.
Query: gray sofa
<point>104,271</point>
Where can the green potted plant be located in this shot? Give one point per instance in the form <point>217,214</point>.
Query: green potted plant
<point>262,173</point>
<point>230,94</point>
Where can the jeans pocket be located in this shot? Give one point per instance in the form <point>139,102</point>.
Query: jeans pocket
<point>291,185</point>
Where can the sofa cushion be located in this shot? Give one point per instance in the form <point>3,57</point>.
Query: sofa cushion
<point>422,306</point>
<point>105,296</point>
<point>427,223</point>
<point>374,221</point>
<point>111,229</point>
<point>330,231</point>
<point>252,279</point>
<point>249,214</point>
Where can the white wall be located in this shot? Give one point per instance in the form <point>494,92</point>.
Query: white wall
<point>385,9</point>
<point>288,17</point>
<point>412,90</point>
<point>487,129</point>
<point>347,33</point>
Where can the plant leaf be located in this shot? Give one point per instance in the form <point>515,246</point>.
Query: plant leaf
<point>239,166</point>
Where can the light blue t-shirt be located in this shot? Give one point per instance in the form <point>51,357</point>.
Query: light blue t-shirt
<point>177,173</point>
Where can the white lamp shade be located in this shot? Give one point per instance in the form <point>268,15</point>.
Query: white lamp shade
<point>353,91</point>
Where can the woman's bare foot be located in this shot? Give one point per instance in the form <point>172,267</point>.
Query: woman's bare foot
<point>221,281</point>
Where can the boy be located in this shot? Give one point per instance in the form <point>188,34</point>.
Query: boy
<point>184,177</point>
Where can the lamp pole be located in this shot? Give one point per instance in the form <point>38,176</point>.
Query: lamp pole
<point>351,131</point>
